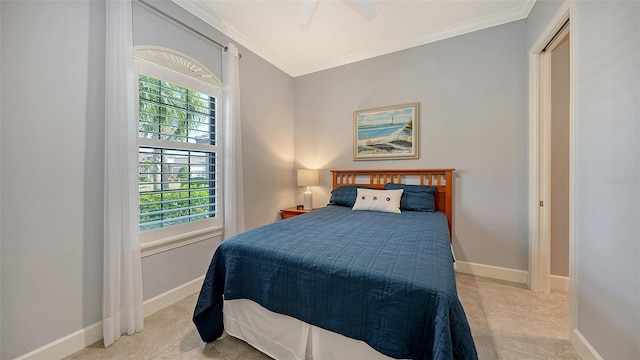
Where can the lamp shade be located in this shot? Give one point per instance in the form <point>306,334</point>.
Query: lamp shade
<point>308,177</point>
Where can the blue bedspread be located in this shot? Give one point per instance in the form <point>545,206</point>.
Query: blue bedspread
<point>386,279</point>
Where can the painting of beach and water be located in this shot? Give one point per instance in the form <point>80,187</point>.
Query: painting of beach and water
<point>386,133</point>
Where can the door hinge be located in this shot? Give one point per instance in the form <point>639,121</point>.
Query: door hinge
<point>541,203</point>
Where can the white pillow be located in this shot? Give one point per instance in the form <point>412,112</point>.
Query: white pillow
<point>378,200</point>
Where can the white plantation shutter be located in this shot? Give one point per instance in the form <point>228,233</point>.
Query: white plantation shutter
<point>179,187</point>
<point>179,153</point>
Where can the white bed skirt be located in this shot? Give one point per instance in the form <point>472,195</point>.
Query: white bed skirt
<point>284,337</point>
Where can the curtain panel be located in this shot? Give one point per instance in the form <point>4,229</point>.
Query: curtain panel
<point>233,183</point>
<point>122,311</point>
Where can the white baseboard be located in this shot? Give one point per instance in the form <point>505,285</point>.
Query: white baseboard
<point>67,345</point>
<point>495,272</point>
<point>82,338</point>
<point>172,296</point>
<point>582,346</point>
<point>559,282</point>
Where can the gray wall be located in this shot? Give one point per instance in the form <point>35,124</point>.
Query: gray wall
<point>52,103</point>
<point>472,91</point>
<point>267,139</point>
<point>52,147</point>
<point>607,113</point>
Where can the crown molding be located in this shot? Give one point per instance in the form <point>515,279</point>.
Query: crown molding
<point>460,29</point>
<point>211,18</point>
<point>202,12</point>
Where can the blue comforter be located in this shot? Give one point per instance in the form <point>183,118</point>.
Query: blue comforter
<point>386,279</point>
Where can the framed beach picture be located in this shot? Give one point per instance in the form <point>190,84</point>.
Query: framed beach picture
<point>386,133</point>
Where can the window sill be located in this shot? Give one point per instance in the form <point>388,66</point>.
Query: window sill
<point>170,243</point>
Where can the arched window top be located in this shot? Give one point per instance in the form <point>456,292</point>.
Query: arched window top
<point>177,62</point>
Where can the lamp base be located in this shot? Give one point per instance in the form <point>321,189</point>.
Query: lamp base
<point>308,200</point>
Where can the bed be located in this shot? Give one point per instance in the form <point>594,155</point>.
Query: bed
<point>337,283</point>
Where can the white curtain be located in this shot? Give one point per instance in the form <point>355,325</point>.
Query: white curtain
<point>122,288</point>
<point>233,184</point>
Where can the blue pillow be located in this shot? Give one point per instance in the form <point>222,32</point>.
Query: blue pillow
<point>345,195</point>
<point>415,197</point>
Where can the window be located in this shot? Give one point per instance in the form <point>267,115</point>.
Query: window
<point>178,153</point>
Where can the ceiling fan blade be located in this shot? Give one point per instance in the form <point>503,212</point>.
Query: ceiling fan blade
<point>366,5</point>
<point>307,11</point>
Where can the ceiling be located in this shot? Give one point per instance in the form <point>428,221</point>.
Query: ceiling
<point>340,32</point>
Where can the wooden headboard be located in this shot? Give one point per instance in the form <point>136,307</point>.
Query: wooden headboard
<point>440,178</point>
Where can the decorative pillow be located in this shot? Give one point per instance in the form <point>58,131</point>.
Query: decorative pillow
<point>416,197</point>
<point>378,200</point>
<point>344,195</point>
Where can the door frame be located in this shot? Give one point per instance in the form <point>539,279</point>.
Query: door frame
<point>540,155</point>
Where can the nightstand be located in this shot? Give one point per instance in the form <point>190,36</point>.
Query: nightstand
<point>291,212</point>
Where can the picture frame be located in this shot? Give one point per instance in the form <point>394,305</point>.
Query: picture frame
<point>386,133</point>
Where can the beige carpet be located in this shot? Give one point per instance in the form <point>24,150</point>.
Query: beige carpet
<point>508,321</point>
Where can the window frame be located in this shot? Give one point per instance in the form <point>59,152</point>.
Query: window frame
<point>158,240</point>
